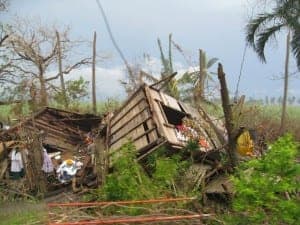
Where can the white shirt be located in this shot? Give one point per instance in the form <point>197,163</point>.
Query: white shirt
<point>16,161</point>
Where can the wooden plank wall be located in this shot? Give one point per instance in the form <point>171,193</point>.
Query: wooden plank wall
<point>134,121</point>
<point>168,131</point>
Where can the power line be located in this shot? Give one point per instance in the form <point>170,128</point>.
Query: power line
<point>240,74</point>
<point>236,95</point>
<point>112,37</point>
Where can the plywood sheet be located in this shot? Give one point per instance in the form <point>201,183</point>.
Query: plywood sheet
<point>170,101</point>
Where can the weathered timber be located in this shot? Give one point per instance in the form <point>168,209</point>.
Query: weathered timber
<point>228,116</point>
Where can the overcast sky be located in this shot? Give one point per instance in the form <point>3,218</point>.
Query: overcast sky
<point>217,26</point>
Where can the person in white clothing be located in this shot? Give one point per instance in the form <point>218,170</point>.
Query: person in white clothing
<point>67,170</point>
<point>17,167</point>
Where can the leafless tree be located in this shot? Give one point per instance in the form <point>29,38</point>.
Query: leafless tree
<point>3,5</point>
<point>136,78</point>
<point>5,62</point>
<point>35,49</point>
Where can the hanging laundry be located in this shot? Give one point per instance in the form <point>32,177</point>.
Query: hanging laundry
<point>47,162</point>
<point>17,167</point>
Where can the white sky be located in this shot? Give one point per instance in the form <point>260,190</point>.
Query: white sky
<point>217,26</point>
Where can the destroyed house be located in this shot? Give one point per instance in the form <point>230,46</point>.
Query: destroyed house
<point>64,134</point>
<point>62,130</point>
<point>150,118</point>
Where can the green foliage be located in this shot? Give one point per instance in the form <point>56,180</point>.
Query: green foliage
<point>267,188</point>
<point>109,105</point>
<point>261,29</point>
<point>76,90</point>
<point>192,146</point>
<point>129,181</point>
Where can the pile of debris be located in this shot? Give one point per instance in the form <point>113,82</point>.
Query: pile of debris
<point>47,149</point>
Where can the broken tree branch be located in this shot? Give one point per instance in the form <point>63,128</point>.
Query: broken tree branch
<point>70,68</point>
<point>228,117</point>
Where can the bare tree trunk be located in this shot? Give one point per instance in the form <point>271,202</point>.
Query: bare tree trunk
<point>61,76</point>
<point>43,91</point>
<point>94,75</point>
<point>199,88</point>
<point>228,117</point>
<point>34,174</point>
<point>285,90</point>
<point>201,73</point>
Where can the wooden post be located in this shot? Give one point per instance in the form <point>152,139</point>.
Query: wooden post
<point>62,82</point>
<point>94,75</point>
<point>285,90</point>
<point>100,158</point>
<point>228,117</point>
<point>201,74</point>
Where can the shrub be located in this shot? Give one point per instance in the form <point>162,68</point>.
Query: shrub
<point>267,189</point>
<point>129,181</point>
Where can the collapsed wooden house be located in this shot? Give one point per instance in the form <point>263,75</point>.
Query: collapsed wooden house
<point>62,130</point>
<point>150,118</point>
<point>58,131</point>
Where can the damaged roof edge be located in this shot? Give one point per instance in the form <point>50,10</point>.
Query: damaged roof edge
<point>67,120</point>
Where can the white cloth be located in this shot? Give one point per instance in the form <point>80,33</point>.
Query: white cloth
<point>47,162</point>
<point>16,161</point>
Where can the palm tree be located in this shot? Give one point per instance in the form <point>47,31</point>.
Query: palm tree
<point>195,82</point>
<point>286,14</point>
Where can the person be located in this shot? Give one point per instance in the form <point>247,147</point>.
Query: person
<point>17,167</point>
<point>47,162</point>
<point>67,170</point>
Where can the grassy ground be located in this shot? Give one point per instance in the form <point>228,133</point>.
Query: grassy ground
<point>23,213</point>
